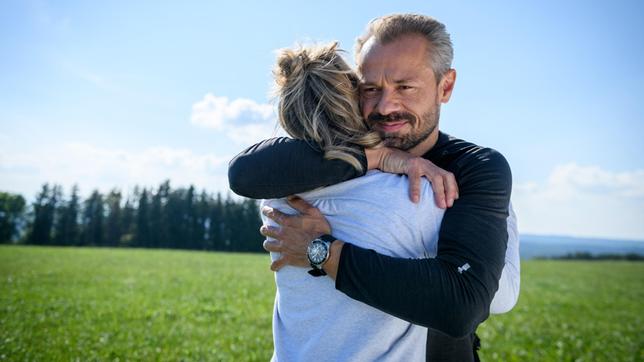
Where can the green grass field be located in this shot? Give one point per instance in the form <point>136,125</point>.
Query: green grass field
<point>67,304</point>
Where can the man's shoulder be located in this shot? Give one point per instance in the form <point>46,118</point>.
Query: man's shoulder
<point>471,162</point>
<point>457,153</point>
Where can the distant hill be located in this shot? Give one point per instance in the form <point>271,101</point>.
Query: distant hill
<point>532,246</point>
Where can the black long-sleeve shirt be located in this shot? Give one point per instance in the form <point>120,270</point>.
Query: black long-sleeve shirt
<point>452,292</point>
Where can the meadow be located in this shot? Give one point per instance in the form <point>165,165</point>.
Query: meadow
<point>68,304</point>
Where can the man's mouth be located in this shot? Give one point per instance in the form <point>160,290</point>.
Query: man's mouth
<point>389,127</point>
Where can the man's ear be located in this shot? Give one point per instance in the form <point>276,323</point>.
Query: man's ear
<point>446,86</point>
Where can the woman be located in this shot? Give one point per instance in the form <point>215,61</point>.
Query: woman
<point>318,103</point>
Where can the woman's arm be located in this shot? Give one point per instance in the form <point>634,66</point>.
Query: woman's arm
<point>279,167</point>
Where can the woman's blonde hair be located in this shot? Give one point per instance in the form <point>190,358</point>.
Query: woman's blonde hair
<point>318,102</point>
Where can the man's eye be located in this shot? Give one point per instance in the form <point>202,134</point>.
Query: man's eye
<point>369,90</point>
<point>405,87</point>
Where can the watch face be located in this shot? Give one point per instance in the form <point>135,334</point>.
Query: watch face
<point>317,252</point>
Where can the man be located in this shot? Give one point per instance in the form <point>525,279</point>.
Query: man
<point>405,67</point>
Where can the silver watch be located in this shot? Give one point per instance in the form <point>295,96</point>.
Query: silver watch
<point>318,253</point>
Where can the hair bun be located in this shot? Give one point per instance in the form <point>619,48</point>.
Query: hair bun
<point>290,65</point>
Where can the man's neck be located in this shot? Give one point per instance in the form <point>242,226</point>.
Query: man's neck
<point>427,144</point>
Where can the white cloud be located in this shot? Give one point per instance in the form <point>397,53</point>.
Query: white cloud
<point>583,201</point>
<point>102,168</point>
<point>244,121</point>
<point>219,112</point>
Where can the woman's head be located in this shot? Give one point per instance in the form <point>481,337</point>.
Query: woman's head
<point>318,101</point>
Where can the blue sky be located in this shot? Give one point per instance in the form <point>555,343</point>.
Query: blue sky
<point>114,94</point>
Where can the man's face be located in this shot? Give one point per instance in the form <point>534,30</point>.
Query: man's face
<point>399,95</point>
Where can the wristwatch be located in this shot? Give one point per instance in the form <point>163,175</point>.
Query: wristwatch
<point>318,254</point>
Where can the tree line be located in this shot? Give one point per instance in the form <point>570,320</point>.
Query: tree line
<point>181,218</point>
<point>590,256</point>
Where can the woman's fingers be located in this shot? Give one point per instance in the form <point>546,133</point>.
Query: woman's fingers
<point>443,183</point>
<point>451,189</point>
<point>414,188</point>
<point>439,191</point>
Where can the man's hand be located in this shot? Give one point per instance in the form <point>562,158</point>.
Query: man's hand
<point>294,232</point>
<point>392,160</point>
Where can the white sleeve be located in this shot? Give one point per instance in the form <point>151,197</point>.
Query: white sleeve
<point>509,284</point>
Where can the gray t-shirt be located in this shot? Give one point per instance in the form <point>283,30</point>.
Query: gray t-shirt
<point>313,321</point>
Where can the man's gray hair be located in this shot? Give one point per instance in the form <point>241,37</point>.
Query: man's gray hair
<point>386,29</point>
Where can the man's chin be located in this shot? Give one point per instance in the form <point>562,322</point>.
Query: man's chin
<point>393,142</point>
<point>401,143</point>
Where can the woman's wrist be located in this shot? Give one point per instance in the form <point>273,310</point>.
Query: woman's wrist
<point>375,157</point>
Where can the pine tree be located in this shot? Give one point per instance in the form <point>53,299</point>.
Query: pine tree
<point>40,229</point>
<point>232,221</point>
<point>174,219</point>
<point>190,221</point>
<point>113,223</point>
<point>216,224</point>
<point>142,221</point>
<point>158,219</point>
<point>251,239</point>
<point>12,208</point>
<point>66,230</point>
<point>201,222</point>
<point>128,224</point>
<point>93,220</point>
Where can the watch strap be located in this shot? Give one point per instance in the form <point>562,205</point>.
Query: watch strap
<point>327,237</point>
<point>317,272</point>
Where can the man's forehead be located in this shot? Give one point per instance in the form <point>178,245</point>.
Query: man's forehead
<point>366,51</point>
<point>395,75</point>
<point>395,72</point>
<point>402,58</point>
<point>366,47</point>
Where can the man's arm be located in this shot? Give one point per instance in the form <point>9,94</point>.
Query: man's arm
<point>451,293</point>
<point>282,166</point>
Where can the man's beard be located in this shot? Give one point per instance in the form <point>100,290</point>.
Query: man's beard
<point>406,142</point>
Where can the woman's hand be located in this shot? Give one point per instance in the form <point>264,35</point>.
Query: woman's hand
<point>392,160</point>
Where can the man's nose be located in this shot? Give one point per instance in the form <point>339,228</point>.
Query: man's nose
<point>388,102</point>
